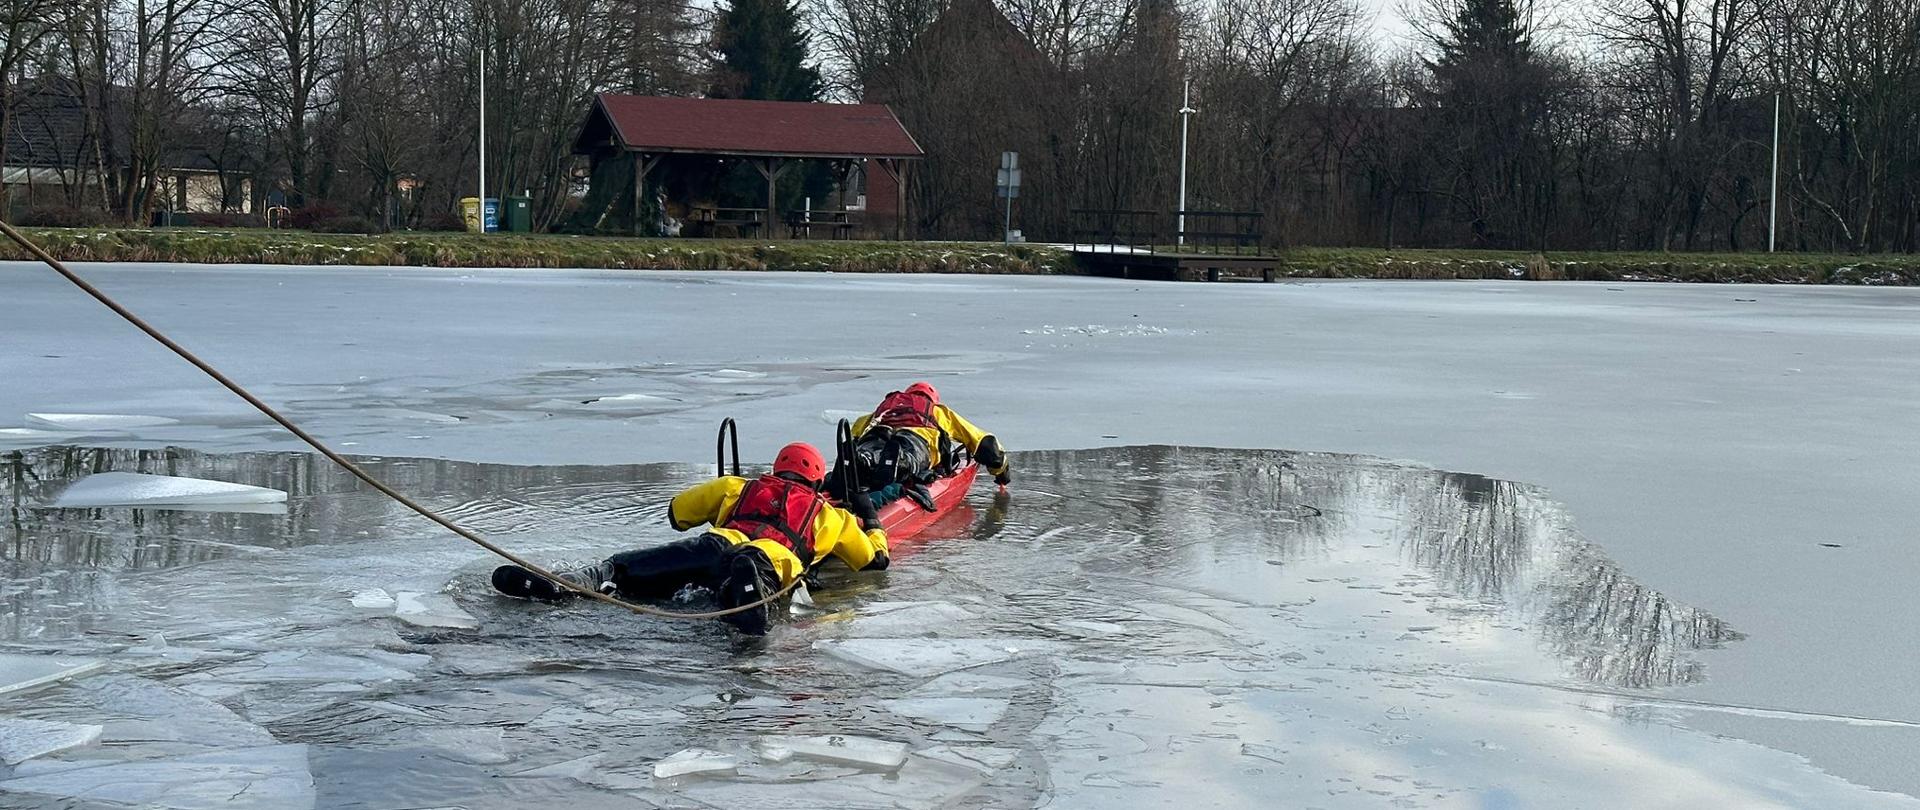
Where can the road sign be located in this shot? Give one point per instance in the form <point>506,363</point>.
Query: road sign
<point>1006,182</point>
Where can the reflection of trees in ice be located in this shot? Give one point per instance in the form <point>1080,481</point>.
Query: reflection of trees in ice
<point>62,560</point>
<point>1205,519</point>
<point>1493,542</point>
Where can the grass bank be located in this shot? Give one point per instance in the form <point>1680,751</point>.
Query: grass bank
<point>499,250</point>
<point>471,250</point>
<point>1724,268</point>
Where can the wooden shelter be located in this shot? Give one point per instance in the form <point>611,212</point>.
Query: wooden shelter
<point>772,135</point>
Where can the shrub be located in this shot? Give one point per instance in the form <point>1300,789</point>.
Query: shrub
<point>63,217</point>
<point>343,224</point>
<point>305,216</point>
<point>443,221</point>
<point>217,219</point>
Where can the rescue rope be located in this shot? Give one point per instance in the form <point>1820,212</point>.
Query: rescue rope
<point>349,465</point>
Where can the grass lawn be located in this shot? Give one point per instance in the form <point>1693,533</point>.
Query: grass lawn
<point>543,250</point>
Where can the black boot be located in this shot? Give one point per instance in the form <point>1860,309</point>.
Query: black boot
<point>917,492</point>
<point>750,578</point>
<point>513,580</point>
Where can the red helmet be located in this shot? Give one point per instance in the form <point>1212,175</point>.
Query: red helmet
<point>803,460</point>
<point>924,388</point>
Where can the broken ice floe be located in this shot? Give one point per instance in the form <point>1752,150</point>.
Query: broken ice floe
<point>272,777</point>
<point>95,422</point>
<point>926,657</point>
<point>154,711</point>
<point>693,761</point>
<point>23,672</point>
<point>839,749</point>
<point>22,739</point>
<point>34,434</point>
<point>909,618</point>
<point>969,683</point>
<point>373,600</point>
<point>966,713</point>
<point>432,610</point>
<point>139,489</point>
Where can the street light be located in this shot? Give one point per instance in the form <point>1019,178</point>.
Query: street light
<point>1186,111</point>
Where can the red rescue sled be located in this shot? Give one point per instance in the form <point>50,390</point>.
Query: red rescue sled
<point>904,518</point>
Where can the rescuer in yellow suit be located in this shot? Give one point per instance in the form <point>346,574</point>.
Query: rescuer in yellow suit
<point>765,533</point>
<point>899,448</point>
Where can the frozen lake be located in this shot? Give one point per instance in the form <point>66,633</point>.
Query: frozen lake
<point>1684,579</point>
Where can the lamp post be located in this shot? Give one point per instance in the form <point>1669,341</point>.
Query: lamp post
<point>483,137</point>
<point>1186,111</point>
<point>1773,196</point>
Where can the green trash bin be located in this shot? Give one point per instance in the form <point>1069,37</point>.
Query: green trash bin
<point>520,214</point>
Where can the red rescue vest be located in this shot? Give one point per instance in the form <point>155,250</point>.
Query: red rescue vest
<point>906,409</point>
<point>773,508</point>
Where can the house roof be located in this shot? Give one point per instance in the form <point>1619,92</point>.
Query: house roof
<point>742,127</point>
<point>48,129</point>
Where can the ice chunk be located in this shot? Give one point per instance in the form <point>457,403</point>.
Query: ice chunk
<point>273,777</point>
<point>159,712</point>
<point>731,374</point>
<point>432,610</point>
<point>373,600</point>
<point>832,416</point>
<point>969,713</point>
<point>968,683</point>
<point>692,761</point>
<point>910,618</point>
<point>22,739</point>
<point>138,489</point>
<point>922,783</point>
<point>94,422</point>
<point>986,759</point>
<point>22,672</point>
<point>926,657</point>
<point>320,667</point>
<point>627,399</point>
<point>843,749</point>
<point>34,434</point>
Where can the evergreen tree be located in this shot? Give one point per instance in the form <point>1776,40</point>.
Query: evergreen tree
<point>1482,32</point>
<point>762,53</point>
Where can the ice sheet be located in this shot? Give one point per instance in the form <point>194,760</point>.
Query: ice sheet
<point>22,672</point>
<point>95,422</point>
<point>22,739</point>
<point>969,713</point>
<point>143,709</point>
<point>927,657</point>
<point>842,749</point>
<point>432,610</point>
<point>694,760</point>
<point>273,777</point>
<point>139,489</point>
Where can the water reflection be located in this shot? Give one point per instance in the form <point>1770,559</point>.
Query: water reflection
<point>1197,516</point>
<point>1156,623</point>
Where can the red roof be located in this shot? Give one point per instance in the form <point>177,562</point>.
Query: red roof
<point>745,127</point>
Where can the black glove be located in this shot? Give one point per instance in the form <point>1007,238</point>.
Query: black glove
<point>1003,477</point>
<point>989,454</point>
<point>862,507</point>
<point>880,563</point>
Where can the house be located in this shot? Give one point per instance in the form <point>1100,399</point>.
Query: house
<point>52,159</point>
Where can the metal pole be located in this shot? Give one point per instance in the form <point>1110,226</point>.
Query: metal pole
<point>483,136</point>
<point>1773,195</point>
<point>1006,231</point>
<point>1186,110</point>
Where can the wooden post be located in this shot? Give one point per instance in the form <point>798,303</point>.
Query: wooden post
<point>897,169</point>
<point>642,164</point>
<point>772,168</point>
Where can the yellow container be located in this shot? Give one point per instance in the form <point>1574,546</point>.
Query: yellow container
<point>470,212</point>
